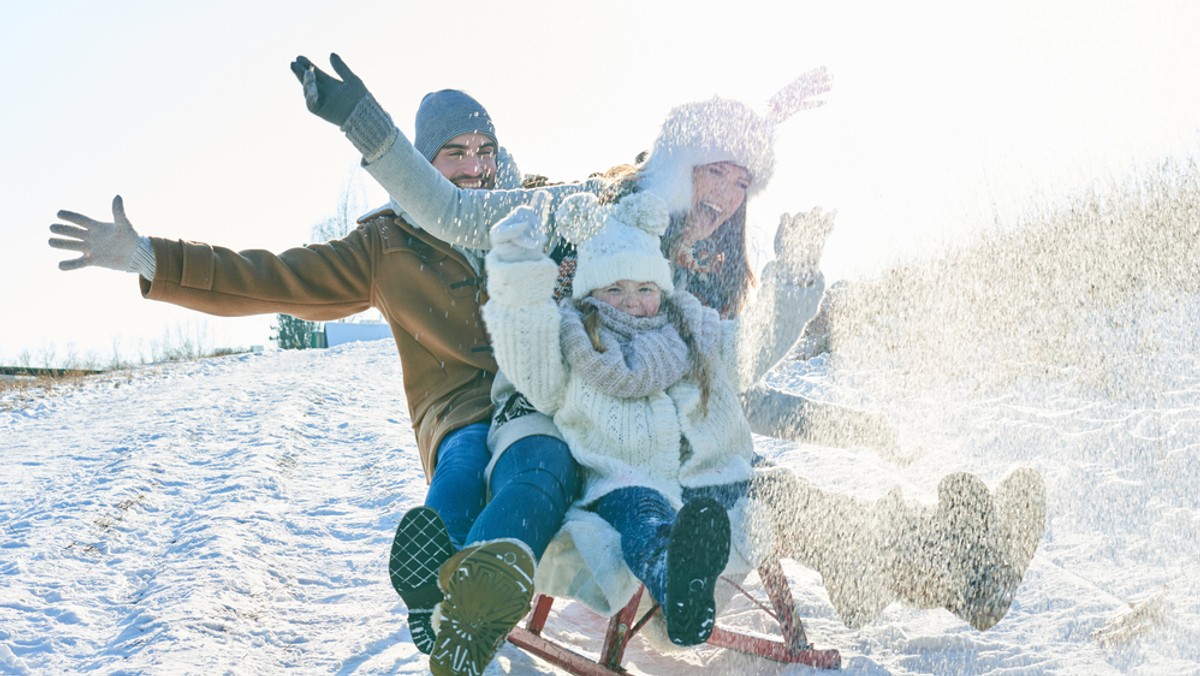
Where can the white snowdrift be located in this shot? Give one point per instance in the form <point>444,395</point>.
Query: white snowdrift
<point>233,515</point>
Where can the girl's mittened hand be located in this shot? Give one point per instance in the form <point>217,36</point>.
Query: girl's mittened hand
<point>519,236</point>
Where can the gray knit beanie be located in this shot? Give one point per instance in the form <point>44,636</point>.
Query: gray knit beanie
<point>445,114</point>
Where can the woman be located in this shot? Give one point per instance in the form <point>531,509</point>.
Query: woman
<point>462,217</point>
<point>967,554</point>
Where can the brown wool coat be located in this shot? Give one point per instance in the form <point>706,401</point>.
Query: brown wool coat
<point>426,290</point>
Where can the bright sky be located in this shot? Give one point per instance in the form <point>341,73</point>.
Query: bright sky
<point>189,111</point>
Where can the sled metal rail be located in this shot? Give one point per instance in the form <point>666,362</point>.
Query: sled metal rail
<point>792,647</point>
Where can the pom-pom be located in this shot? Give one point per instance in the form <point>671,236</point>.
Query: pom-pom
<point>579,218</point>
<point>645,211</point>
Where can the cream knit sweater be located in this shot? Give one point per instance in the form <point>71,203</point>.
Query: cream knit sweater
<point>626,442</point>
<point>621,442</point>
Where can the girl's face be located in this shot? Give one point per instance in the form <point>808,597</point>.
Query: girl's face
<point>718,190</point>
<point>638,299</point>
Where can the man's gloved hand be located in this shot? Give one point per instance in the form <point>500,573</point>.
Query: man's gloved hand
<point>326,96</point>
<point>519,236</point>
<point>108,245</point>
<point>799,242</point>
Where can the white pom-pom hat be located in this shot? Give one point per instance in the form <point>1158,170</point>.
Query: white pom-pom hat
<point>704,132</point>
<point>615,242</point>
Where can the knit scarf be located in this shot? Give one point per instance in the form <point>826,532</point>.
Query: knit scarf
<point>643,355</point>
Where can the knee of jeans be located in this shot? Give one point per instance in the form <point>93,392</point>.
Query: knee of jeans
<point>541,460</point>
<point>559,491</point>
<point>466,450</point>
<point>459,465</point>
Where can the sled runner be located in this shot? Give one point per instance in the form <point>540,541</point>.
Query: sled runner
<point>791,647</point>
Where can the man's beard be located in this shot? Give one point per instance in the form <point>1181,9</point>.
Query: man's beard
<point>484,182</point>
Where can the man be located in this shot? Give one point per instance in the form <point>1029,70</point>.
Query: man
<point>430,293</point>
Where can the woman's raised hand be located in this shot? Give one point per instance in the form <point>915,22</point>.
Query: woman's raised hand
<point>799,242</point>
<point>798,94</point>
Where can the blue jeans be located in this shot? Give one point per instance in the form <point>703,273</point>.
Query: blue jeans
<point>458,489</point>
<point>533,483</point>
<point>644,518</point>
<point>726,494</point>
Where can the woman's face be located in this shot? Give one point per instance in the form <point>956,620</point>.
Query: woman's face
<point>639,299</point>
<point>718,190</point>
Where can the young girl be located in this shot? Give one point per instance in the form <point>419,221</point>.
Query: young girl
<point>642,381</point>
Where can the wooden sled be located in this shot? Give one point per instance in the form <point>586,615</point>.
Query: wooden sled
<point>793,648</point>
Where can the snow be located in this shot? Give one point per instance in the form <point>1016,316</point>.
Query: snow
<point>233,515</point>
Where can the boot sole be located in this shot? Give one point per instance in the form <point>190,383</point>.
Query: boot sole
<point>697,552</point>
<point>420,547</point>
<point>487,592</point>
<point>422,544</point>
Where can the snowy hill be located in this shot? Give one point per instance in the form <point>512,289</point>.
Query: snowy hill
<point>233,515</point>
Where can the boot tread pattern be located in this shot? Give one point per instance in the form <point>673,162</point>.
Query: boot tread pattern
<point>696,554</point>
<point>486,594</point>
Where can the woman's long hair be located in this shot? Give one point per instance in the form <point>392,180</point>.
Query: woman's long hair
<point>726,282</point>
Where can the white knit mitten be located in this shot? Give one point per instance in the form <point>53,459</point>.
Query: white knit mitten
<point>519,236</point>
<point>799,242</point>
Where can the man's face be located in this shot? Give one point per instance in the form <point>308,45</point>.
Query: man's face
<point>468,161</point>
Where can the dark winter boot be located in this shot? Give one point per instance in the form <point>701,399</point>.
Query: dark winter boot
<point>970,554</point>
<point>487,590</point>
<point>845,539</point>
<point>1020,522</point>
<point>697,552</point>
<point>957,546</point>
<point>422,544</point>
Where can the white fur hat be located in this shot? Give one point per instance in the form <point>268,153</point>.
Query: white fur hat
<point>703,132</point>
<point>615,242</point>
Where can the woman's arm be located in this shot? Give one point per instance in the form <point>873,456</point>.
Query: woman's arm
<point>789,298</point>
<point>434,204</point>
<point>456,215</point>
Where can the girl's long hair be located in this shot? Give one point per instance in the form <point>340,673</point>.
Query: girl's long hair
<point>700,370</point>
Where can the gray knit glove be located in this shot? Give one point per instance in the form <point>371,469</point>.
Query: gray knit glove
<point>519,236</point>
<point>799,242</point>
<point>348,104</point>
<point>115,245</point>
<point>327,97</point>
